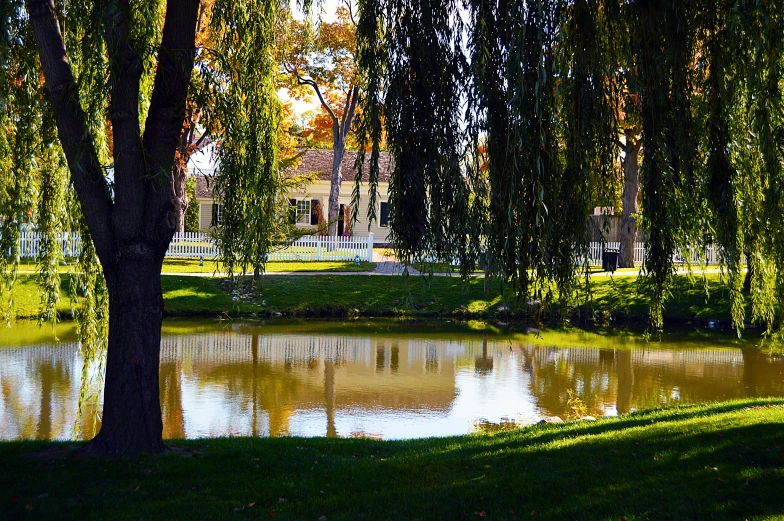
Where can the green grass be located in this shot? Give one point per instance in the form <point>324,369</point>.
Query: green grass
<point>210,266</point>
<point>192,266</point>
<point>614,299</point>
<point>722,461</point>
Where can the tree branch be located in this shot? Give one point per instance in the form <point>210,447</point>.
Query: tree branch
<point>125,75</point>
<point>314,85</point>
<point>167,113</point>
<point>348,114</point>
<point>86,174</point>
<point>350,12</point>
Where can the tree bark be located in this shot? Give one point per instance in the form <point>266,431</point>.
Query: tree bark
<point>340,130</point>
<point>132,409</point>
<point>333,203</point>
<point>631,187</point>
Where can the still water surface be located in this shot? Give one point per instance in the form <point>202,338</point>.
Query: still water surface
<point>375,380</point>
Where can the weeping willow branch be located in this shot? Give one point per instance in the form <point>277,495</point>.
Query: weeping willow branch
<point>247,110</point>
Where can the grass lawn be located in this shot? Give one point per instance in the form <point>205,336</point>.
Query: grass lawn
<point>210,266</point>
<point>615,299</point>
<point>717,461</point>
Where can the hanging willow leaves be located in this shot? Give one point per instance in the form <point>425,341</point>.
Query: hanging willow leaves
<point>246,116</point>
<point>542,86</point>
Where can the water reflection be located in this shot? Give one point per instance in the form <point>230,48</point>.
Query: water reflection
<point>259,381</point>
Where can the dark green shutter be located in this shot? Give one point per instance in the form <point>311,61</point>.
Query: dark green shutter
<point>384,218</point>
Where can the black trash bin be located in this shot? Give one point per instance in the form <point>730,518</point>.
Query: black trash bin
<point>610,259</point>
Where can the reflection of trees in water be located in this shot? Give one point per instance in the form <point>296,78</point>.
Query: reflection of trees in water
<point>258,377</point>
<point>39,398</point>
<point>171,400</point>
<point>15,412</point>
<point>329,397</point>
<point>646,378</point>
<point>88,414</point>
<point>555,371</point>
<point>431,358</point>
<point>55,380</point>
<point>484,364</point>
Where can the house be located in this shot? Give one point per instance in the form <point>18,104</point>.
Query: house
<point>315,196</point>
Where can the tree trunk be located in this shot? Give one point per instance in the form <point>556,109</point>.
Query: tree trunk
<point>132,409</point>
<point>333,205</point>
<point>180,197</point>
<point>631,187</point>
<point>132,230</point>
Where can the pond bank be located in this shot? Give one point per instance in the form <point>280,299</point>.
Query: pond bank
<point>718,461</point>
<point>615,300</point>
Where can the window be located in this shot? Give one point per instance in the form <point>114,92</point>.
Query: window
<point>300,211</point>
<point>383,219</point>
<point>303,211</point>
<point>217,215</point>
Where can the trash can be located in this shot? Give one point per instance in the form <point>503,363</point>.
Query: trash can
<point>610,259</point>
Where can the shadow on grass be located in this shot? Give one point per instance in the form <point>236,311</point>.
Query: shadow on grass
<point>702,462</point>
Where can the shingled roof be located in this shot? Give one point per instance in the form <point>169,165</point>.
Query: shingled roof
<point>320,161</point>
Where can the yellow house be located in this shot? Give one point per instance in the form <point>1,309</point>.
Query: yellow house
<point>315,196</point>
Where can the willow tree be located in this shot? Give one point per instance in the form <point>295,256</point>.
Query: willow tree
<point>94,97</point>
<point>544,84</point>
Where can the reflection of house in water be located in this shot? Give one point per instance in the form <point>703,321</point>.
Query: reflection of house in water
<point>278,376</point>
<point>246,381</point>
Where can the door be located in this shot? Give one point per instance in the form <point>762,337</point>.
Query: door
<point>340,219</point>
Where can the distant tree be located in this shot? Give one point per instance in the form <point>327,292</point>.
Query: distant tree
<point>321,60</point>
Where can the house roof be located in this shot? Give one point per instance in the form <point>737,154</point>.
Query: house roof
<point>313,160</point>
<point>321,161</point>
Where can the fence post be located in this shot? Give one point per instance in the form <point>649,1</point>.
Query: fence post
<point>370,247</point>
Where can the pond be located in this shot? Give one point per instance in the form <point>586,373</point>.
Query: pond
<point>379,379</point>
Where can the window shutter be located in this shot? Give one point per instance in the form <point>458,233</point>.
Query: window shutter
<point>383,219</point>
<point>213,219</point>
<point>293,211</point>
<point>314,205</point>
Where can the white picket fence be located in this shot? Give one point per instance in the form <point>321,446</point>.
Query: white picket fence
<point>318,248</point>
<point>202,246</point>
<point>192,245</point>
<point>595,249</point>
<point>309,248</point>
<point>30,244</point>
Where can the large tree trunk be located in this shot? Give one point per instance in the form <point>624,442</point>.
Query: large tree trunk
<point>631,187</point>
<point>131,231</point>
<point>132,410</point>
